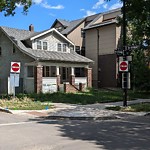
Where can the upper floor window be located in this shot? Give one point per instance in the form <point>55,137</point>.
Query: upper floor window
<point>59,47</point>
<point>45,45</point>
<point>39,44</point>
<point>62,47</point>
<point>42,45</point>
<point>0,51</point>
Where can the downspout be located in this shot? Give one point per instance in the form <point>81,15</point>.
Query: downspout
<point>98,69</point>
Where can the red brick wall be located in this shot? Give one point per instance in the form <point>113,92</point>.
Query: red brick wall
<point>38,79</point>
<point>72,79</point>
<point>68,88</point>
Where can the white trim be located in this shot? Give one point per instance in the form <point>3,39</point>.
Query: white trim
<point>51,30</point>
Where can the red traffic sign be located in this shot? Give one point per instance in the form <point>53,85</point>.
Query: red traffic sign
<point>123,66</point>
<point>15,67</point>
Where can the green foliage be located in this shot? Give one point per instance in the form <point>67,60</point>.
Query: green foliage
<point>9,6</point>
<point>140,71</point>
<point>140,107</point>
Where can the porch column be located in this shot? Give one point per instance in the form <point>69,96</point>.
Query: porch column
<point>58,80</point>
<point>38,78</point>
<point>72,76</point>
<point>88,73</point>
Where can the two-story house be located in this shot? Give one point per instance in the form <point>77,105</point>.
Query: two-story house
<point>96,37</point>
<point>47,58</point>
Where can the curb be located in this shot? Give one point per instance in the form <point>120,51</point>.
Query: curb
<point>81,118</point>
<point>5,110</point>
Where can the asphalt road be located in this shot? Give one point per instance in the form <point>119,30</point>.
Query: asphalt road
<point>21,133</point>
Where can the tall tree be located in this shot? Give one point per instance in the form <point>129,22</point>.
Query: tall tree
<point>138,33</point>
<point>9,6</point>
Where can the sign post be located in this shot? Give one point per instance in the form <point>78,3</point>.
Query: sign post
<point>15,70</point>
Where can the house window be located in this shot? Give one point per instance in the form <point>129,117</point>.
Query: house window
<point>39,44</point>
<point>78,49</point>
<point>30,71</point>
<point>83,51</point>
<point>59,47</point>
<point>64,47</point>
<point>44,45</point>
<point>0,51</point>
<point>14,49</point>
<point>46,71</point>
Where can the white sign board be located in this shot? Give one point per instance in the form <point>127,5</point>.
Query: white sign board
<point>15,67</point>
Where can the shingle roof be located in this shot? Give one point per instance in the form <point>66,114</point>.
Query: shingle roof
<point>73,25</point>
<point>17,35</point>
<point>64,22</point>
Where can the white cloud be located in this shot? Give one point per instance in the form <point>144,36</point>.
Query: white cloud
<point>105,6</point>
<point>116,5</point>
<point>46,5</point>
<point>53,15</point>
<point>89,13</point>
<point>82,9</point>
<point>19,5</point>
<point>37,1</point>
<point>98,4</point>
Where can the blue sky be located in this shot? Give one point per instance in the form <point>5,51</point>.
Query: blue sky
<point>44,12</point>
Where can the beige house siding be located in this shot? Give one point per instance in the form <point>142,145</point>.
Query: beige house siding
<point>107,42</point>
<point>108,39</point>
<point>75,35</point>
<point>118,36</point>
<point>91,51</point>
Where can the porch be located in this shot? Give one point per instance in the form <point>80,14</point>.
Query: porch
<point>52,77</point>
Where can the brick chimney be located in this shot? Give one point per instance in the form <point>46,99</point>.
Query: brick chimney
<point>31,28</point>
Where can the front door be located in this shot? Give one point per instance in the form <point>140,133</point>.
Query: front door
<point>65,74</point>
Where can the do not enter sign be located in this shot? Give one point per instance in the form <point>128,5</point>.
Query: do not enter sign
<point>15,67</point>
<point>123,66</point>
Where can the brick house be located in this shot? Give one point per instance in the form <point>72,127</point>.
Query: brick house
<point>96,37</point>
<point>48,60</point>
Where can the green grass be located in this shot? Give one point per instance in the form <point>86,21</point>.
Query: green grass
<point>140,107</point>
<point>24,104</point>
<point>35,101</point>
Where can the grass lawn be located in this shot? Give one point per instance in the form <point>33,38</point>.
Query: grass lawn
<point>24,104</point>
<point>36,101</point>
<point>145,107</point>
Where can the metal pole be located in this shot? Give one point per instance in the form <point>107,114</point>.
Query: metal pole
<point>14,85</point>
<point>124,54</point>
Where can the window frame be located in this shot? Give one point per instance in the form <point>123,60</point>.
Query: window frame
<point>40,46</point>
<point>62,47</point>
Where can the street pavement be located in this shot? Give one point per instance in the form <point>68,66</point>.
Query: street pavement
<point>71,127</point>
<point>22,132</point>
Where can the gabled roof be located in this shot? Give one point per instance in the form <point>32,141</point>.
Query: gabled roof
<point>72,26</point>
<point>17,36</point>
<point>64,23</point>
<point>49,31</point>
<point>93,24</point>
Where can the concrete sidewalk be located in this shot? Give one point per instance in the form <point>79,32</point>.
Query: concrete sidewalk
<point>80,112</point>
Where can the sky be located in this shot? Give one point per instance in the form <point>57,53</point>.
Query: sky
<point>43,13</point>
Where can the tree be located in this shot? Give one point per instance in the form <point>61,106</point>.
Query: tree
<point>9,6</point>
<point>138,33</point>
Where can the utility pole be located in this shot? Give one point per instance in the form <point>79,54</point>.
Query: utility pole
<point>124,74</point>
